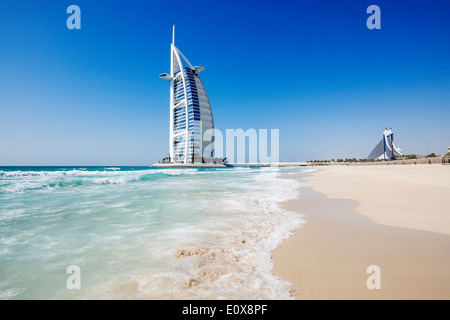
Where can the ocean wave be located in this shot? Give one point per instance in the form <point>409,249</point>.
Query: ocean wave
<point>23,186</point>
<point>84,172</point>
<point>22,181</point>
<point>227,256</point>
<point>165,233</point>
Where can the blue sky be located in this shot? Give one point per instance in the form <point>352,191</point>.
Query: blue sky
<point>311,69</point>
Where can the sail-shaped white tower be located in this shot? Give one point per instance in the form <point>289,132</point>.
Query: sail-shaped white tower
<point>190,111</point>
<point>386,149</point>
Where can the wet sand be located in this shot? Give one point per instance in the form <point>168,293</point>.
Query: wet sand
<point>393,217</point>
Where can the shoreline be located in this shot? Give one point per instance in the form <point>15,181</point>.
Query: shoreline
<point>327,257</point>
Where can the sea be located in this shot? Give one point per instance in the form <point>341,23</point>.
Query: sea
<point>143,233</point>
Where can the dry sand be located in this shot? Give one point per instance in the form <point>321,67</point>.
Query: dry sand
<point>395,217</point>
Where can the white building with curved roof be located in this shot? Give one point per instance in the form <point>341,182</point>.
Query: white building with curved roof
<point>386,149</point>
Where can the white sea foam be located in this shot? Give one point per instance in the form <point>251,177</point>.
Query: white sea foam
<point>156,233</point>
<point>24,181</point>
<point>227,256</point>
<point>11,214</point>
<point>9,293</point>
<point>84,173</point>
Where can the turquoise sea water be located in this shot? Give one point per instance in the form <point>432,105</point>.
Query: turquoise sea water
<point>143,233</point>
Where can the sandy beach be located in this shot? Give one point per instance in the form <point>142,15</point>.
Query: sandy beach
<point>394,217</point>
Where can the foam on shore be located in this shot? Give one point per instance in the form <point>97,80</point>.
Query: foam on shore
<point>144,234</point>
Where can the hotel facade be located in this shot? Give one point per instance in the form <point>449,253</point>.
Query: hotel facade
<point>190,112</point>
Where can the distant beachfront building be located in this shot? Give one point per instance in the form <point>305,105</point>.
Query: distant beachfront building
<point>190,112</point>
<point>386,149</point>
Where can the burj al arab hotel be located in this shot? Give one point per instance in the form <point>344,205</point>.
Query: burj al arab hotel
<point>190,111</point>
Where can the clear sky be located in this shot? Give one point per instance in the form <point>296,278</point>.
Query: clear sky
<point>311,69</point>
